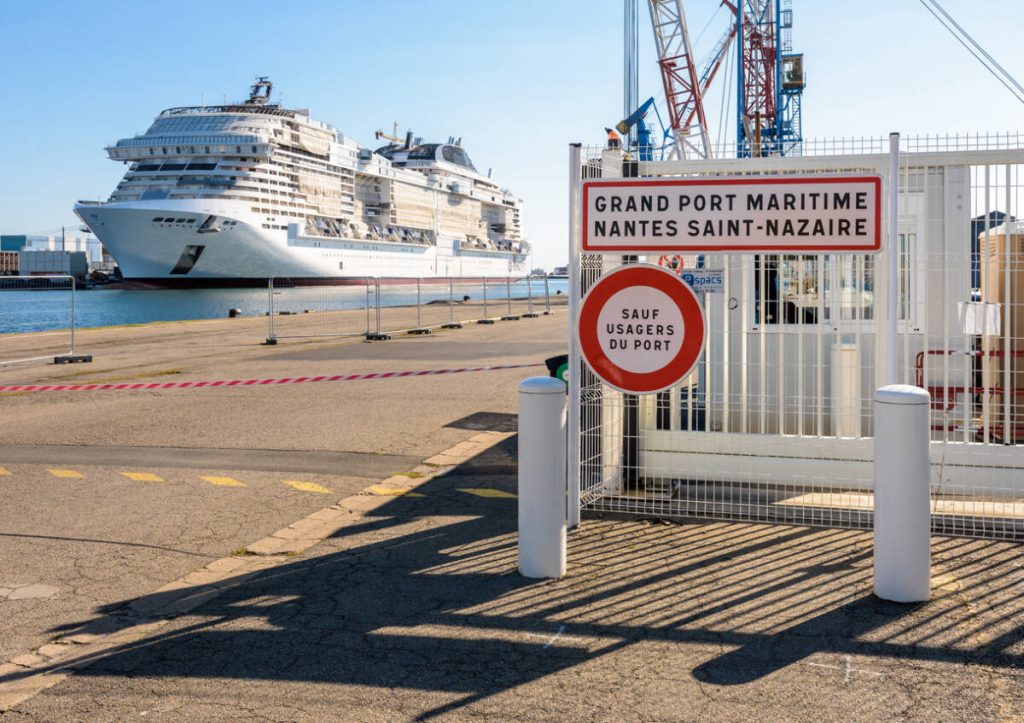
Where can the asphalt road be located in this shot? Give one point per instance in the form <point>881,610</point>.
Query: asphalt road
<point>109,495</point>
<point>414,417</point>
<point>415,611</point>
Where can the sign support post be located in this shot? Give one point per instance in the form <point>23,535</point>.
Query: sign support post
<point>575,360</point>
<point>894,254</point>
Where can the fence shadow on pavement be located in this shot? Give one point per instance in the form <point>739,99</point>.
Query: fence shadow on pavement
<point>422,595</point>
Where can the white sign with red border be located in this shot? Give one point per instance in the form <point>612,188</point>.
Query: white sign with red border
<point>836,213</point>
<point>641,329</point>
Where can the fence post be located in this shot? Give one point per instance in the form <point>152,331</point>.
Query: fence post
<point>542,524</point>
<point>452,324</point>
<point>530,314</point>
<point>72,356</point>
<point>846,389</point>
<point>271,338</point>
<point>902,510</point>
<point>367,307</point>
<point>547,298</point>
<point>74,313</point>
<point>377,335</point>
<point>419,307</point>
<point>509,316</point>
<point>893,291</point>
<point>486,319</point>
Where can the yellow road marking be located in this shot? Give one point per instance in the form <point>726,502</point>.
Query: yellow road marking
<point>66,473</point>
<point>223,481</point>
<point>143,476</point>
<point>383,491</point>
<point>3,471</point>
<point>488,492</point>
<point>306,486</point>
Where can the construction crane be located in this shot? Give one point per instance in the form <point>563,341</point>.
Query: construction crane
<point>770,83</point>
<point>392,136</point>
<point>683,92</point>
<point>636,121</point>
<point>769,77</point>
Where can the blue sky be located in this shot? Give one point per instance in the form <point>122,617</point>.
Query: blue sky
<point>518,80</point>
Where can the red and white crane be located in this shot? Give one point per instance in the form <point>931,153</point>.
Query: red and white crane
<point>685,86</point>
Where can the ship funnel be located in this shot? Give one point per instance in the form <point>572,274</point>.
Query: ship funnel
<point>408,139</point>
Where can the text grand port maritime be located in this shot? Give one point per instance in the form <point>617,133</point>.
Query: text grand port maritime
<point>724,214</point>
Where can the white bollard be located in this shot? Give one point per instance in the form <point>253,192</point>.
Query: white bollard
<point>902,511</point>
<point>542,477</point>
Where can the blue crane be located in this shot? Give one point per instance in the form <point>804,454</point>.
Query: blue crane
<point>645,150</point>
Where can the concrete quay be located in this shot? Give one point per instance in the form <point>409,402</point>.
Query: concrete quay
<point>346,552</point>
<point>112,494</point>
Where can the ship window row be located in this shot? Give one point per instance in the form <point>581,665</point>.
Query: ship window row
<point>159,219</point>
<point>308,166</point>
<point>132,154</point>
<point>136,179</point>
<point>175,167</point>
<point>303,160</point>
<point>279,212</point>
<point>220,140</point>
<point>185,150</point>
<point>208,123</point>
<point>241,183</point>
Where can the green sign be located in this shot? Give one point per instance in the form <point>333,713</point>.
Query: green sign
<point>563,373</point>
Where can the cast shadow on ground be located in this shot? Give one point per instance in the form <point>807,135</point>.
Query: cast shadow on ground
<point>424,594</point>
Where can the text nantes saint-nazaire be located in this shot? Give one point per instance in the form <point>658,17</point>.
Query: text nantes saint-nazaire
<point>727,202</point>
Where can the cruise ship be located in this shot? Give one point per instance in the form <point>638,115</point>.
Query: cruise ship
<point>232,195</point>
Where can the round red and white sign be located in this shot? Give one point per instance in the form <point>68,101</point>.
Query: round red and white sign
<point>641,329</point>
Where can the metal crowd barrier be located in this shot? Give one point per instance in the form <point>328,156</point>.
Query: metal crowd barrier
<point>48,298</point>
<point>378,308</point>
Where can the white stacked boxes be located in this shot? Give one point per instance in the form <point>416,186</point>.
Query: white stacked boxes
<point>44,263</point>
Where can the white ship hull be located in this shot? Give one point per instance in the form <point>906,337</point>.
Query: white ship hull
<point>240,193</point>
<point>235,250</point>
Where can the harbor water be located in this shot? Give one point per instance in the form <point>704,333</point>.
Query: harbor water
<point>23,310</point>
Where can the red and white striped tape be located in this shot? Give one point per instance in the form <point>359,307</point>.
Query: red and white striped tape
<point>253,382</point>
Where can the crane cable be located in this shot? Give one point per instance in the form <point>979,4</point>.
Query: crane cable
<point>726,101</point>
<point>974,48</point>
<point>707,25</point>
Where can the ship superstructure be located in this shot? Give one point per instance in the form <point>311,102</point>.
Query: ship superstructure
<point>235,194</point>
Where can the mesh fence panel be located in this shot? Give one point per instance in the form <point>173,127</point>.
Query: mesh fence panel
<point>320,310</point>
<point>399,305</point>
<point>775,423</point>
<point>51,300</point>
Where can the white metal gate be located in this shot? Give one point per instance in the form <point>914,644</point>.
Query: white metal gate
<point>776,422</point>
